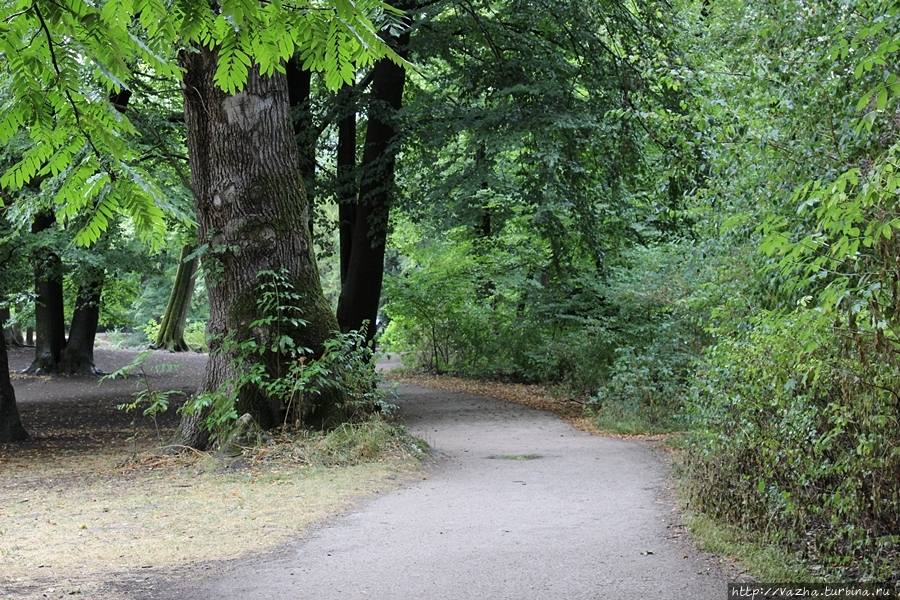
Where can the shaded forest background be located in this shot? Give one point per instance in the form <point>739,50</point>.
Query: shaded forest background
<point>681,214</point>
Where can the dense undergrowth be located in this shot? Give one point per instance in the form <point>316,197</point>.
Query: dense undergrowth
<point>764,324</point>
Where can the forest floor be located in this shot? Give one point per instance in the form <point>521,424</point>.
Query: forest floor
<point>516,504</point>
<point>87,511</point>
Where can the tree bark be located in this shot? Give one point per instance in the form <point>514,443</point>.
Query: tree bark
<point>171,331</point>
<point>11,429</point>
<point>299,83</point>
<point>78,354</point>
<point>50,327</point>
<point>361,289</point>
<point>252,210</point>
<point>346,177</point>
<point>11,334</point>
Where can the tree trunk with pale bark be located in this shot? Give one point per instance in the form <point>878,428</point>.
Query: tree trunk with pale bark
<point>171,330</point>
<point>253,213</point>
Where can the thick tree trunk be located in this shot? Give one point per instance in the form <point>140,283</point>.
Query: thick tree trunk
<point>78,355</point>
<point>361,289</point>
<point>50,327</point>
<point>11,429</point>
<point>251,207</point>
<point>171,331</point>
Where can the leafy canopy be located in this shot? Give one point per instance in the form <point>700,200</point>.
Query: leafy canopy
<point>65,60</point>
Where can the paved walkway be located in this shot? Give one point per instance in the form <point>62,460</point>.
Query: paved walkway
<point>519,505</point>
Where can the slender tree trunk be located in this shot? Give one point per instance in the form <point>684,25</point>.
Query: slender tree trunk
<point>361,289</point>
<point>346,177</point>
<point>78,355</point>
<point>11,429</point>
<point>50,327</point>
<point>251,207</point>
<point>11,334</point>
<point>299,83</point>
<point>171,331</point>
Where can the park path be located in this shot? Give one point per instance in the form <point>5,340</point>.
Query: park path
<point>518,505</point>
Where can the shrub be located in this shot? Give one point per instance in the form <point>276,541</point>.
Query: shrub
<point>798,440</point>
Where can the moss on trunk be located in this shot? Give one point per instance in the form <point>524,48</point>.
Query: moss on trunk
<point>252,212</point>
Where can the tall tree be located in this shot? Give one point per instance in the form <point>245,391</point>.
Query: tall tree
<point>368,221</point>
<point>48,310</point>
<point>230,46</point>
<point>252,211</point>
<point>364,226</point>
<point>11,429</point>
<point>78,354</point>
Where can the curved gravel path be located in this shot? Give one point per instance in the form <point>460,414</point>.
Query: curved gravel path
<point>519,505</point>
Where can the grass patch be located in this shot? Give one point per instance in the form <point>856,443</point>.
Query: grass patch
<point>761,560</point>
<point>757,558</point>
<point>76,529</point>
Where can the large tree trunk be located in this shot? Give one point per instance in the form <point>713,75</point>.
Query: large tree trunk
<point>78,355</point>
<point>11,429</point>
<point>171,331</point>
<point>251,207</point>
<point>361,289</point>
<point>50,326</point>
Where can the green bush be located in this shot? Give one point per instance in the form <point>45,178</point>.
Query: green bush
<point>795,435</point>
<point>195,335</point>
<point>344,369</point>
<point>626,341</point>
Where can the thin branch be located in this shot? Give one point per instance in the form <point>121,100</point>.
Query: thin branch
<point>469,9</point>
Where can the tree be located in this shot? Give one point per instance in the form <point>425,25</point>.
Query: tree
<point>53,51</point>
<point>252,215</point>
<point>365,225</point>
<point>171,330</point>
<point>48,310</point>
<point>11,429</point>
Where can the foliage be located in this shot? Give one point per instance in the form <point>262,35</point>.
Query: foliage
<point>794,410</point>
<point>66,62</point>
<point>627,342</point>
<point>796,436</point>
<point>346,365</point>
<point>153,402</point>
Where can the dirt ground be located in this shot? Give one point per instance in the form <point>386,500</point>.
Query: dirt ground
<point>90,420</point>
<point>80,517</point>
